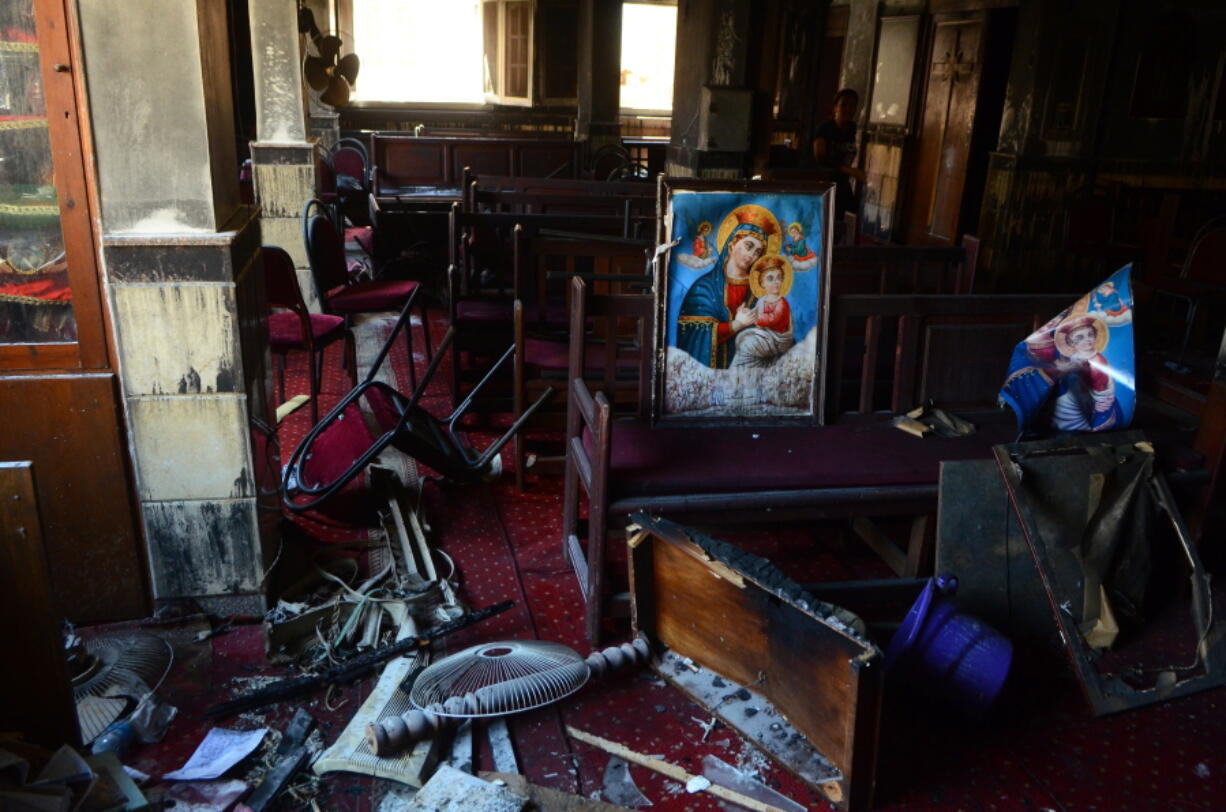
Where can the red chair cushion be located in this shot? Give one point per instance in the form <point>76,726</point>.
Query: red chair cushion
<point>337,447</point>
<point>285,329</point>
<point>365,297</point>
<point>364,236</point>
<point>495,312</point>
<point>556,355</point>
<point>669,461</point>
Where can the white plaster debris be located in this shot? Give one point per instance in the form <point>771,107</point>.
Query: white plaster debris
<point>697,784</point>
<point>1202,770</point>
<point>752,762</point>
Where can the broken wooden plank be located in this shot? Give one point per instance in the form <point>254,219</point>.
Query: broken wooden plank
<point>670,770</point>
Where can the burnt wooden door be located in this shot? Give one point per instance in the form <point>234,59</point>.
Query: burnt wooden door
<point>944,145</point>
<point>59,392</point>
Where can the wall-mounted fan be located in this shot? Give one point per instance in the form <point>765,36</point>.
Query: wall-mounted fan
<point>326,70</point>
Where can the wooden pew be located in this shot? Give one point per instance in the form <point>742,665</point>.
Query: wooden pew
<point>904,268</point>
<point>634,202</point>
<point>411,165</point>
<point>844,470</point>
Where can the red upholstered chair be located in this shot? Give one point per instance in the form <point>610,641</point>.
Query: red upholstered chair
<point>295,328</point>
<point>373,416</point>
<point>340,294</point>
<point>351,168</point>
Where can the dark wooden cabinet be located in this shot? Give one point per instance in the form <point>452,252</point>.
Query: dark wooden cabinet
<point>59,393</point>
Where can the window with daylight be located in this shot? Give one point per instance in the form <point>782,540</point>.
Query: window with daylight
<point>649,38</point>
<point>507,64</point>
<point>419,51</point>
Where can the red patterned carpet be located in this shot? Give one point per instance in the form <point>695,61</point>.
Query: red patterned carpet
<point>1040,751</point>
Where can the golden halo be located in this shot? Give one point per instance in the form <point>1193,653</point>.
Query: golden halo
<point>774,239</point>
<point>796,224</point>
<point>1080,320</point>
<point>762,266</point>
<point>704,224</point>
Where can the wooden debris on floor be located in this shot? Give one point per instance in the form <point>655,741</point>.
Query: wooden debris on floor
<point>549,800</point>
<point>452,790</point>
<point>693,783</point>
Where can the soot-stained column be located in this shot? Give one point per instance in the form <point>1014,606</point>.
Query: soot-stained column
<point>283,153</point>
<point>185,290</point>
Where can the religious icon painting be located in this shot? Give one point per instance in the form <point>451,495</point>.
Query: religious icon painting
<point>1078,371</point>
<point>741,301</point>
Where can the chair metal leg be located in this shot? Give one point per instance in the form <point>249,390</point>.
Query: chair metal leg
<point>280,363</point>
<point>351,357</point>
<point>316,361</point>
<point>408,340</point>
<point>425,329</point>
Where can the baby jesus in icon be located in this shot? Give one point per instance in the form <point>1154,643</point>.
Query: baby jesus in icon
<point>772,332</point>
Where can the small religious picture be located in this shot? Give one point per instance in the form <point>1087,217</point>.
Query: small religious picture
<point>1077,371</point>
<point>741,297</point>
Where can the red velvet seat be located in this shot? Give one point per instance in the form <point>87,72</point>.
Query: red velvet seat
<point>494,312</point>
<point>663,461</point>
<point>371,295</point>
<point>554,355</point>
<point>285,329</point>
<point>341,294</point>
<point>297,328</point>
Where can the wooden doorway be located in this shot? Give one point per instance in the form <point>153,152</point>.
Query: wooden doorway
<point>963,97</point>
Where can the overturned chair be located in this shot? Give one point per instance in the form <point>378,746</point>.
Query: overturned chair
<point>373,416</point>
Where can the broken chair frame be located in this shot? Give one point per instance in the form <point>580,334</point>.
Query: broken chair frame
<point>402,423</point>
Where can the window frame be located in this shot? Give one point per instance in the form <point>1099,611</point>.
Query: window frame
<point>498,94</point>
<point>648,112</point>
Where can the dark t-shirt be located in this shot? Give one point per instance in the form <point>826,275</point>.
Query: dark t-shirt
<point>840,151</point>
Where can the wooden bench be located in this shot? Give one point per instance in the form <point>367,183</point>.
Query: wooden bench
<point>634,202</point>
<point>845,470</point>
<point>406,164</point>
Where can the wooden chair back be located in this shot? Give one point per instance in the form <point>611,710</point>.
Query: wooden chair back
<point>479,241</point>
<point>614,313</point>
<point>904,268</point>
<point>544,264</point>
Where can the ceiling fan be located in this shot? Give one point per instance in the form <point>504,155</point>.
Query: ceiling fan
<point>326,70</point>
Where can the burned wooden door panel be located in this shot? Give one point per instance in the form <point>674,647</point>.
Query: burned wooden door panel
<point>826,682</point>
<point>945,136</point>
<point>69,426</point>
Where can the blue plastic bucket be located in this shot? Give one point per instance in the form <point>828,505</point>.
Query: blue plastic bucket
<point>946,653</point>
